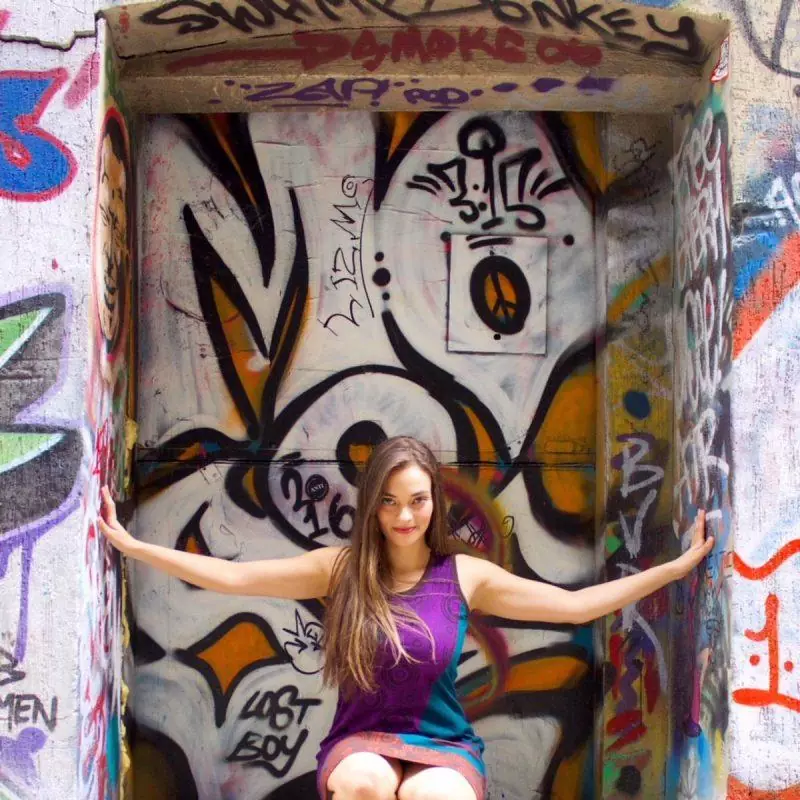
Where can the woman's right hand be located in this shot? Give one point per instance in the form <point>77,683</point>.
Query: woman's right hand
<point>110,525</point>
<point>297,578</point>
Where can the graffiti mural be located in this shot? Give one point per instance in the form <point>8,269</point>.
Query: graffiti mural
<point>32,348</point>
<point>766,241</point>
<point>704,350</point>
<point>286,281</point>
<point>311,285</point>
<point>32,344</point>
<point>636,376</point>
<point>109,418</point>
<point>45,112</point>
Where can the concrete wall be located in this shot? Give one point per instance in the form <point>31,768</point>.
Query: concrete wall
<point>65,397</point>
<point>67,261</point>
<point>764,131</point>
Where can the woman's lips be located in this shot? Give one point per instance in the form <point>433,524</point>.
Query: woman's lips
<point>406,530</point>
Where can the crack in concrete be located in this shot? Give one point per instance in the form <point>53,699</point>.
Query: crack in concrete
<point>64,47</point>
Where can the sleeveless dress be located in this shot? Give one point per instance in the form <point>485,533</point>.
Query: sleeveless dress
<point>414,715</point>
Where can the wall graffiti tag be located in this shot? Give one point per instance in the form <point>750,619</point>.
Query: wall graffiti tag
<point>650,36</point>
<point>349,92</point>
<point>483,188</point>
<point>34,164</point>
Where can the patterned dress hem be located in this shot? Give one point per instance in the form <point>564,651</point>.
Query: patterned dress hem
<point>393,746</point>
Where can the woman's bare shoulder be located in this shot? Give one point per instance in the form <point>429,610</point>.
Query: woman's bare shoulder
<point>471,571</point>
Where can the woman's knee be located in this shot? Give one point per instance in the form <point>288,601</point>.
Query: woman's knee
<point>364,776</point>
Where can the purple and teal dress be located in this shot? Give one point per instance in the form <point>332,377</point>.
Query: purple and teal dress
<point>414,715</point>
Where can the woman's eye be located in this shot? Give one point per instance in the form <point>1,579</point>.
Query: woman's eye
<point>387,501</point>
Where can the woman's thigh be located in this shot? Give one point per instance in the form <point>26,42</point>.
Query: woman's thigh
<point>365,775</point>
<point>421,782</point>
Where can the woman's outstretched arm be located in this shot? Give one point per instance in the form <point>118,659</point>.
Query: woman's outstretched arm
<point>298,578</point>
<point>493,590</point>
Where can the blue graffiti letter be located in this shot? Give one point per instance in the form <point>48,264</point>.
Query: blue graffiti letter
<point>34,165</point>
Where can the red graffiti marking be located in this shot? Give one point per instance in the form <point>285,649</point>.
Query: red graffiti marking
<point>557,51</point>
<point>314,49</point>
<point>84,82</point>
<point>93,734</point>
<point>124,21</point>
<point>5,16</point>
<point>740,791</point>
<point>632,662</point>
<point>769,634</point>
<point>768,291</point>
<point>790,549</point>
<point>629,724</point>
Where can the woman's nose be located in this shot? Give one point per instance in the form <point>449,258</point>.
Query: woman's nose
<point>405,513</point>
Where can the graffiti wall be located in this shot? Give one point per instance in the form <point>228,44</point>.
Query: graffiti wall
<point>59,615</point>
<point>703,323</point>
<point>310,285</point>
<point>765,648</point>
<point>636,378</point>
<point>110,417</point>
<point>45,175</point>
<point>444,54</point>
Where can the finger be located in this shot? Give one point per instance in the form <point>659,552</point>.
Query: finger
<point>109,507</point>
<point>700,527</point>
<point>105,528</point>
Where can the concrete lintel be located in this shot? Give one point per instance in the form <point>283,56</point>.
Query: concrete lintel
<point>142,28</point>
<point>257,92</point>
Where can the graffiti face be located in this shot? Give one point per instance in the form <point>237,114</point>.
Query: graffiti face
<point>112,268</point>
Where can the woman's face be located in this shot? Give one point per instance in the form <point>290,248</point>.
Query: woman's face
<point>406,506</point>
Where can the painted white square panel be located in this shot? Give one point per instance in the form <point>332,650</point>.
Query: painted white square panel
<point>497,294</point>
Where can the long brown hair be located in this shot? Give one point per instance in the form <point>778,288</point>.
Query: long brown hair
<point>360,611</point>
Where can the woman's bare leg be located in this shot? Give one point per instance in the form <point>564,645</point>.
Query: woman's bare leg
<point>365,776</point>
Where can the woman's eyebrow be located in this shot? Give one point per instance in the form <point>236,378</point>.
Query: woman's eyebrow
<point>416,494</point>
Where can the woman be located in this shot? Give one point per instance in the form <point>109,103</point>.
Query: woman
<point>395,623</point>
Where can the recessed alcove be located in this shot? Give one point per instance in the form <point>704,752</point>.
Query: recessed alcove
<point>500,228</point>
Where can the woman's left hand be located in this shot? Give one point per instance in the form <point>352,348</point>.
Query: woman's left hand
<point>698,549</point>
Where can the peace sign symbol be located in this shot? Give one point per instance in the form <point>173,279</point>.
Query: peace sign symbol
<point>500,294</point>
